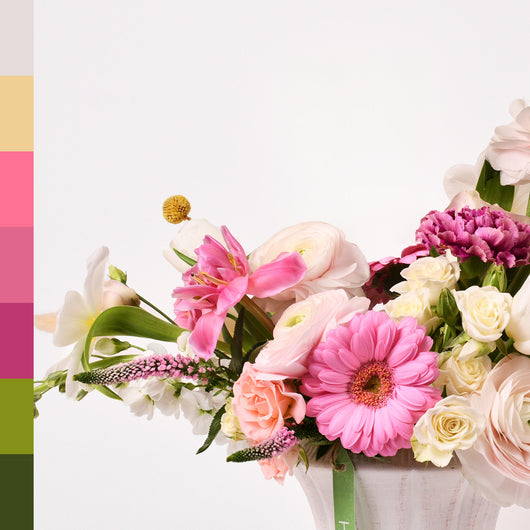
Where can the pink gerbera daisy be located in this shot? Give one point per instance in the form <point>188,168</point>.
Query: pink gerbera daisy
<point>370,381</point>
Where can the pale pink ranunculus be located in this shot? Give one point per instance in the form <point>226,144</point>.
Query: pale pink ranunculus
<point>263,406</point>
<point>279,466</point>
<point>509,149</point>
<point>332,262</point>
<point>498,464</point>
<point>518,327</point>
<point>301,327</point>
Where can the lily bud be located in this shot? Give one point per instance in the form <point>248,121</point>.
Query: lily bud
<point>116,293</point>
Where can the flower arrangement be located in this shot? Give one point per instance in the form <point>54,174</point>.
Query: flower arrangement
<point>303,342</point>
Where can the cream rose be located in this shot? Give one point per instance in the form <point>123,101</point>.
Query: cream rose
<point>498,464</point>
<point>451,424</point>
<point>413,304</point>
<point>463,372</point>
<point>433,274</point>
<point>518,327</point>
<point>332,262</point>
<point>509,149</point>
<point>300,329</point>
<point>485,312</point>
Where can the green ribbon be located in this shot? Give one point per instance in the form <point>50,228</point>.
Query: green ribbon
<point>343,492</point>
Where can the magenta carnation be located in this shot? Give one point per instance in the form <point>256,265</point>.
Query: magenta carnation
<point>491,235</point>
<point>370,381</point>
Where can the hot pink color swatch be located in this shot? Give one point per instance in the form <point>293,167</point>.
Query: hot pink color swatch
<point>16,199</point>
<point>16,265</point>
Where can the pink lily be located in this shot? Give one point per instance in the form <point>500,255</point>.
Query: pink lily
<point>219,280</point>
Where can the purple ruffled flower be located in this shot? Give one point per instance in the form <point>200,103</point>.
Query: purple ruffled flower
<point>491,235</point>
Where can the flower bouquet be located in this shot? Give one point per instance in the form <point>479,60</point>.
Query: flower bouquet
<point>302,352</point>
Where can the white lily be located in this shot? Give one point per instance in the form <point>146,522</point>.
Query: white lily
<point>75,318</point>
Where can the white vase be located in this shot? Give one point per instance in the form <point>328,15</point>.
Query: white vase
<point>401,495</point>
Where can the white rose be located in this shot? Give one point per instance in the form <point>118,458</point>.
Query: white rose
<point>413,304</point>
<point>451,424</point>
<point>332,262</point>
<point>485,312</point>
<point>518,327</point>
<point>189,238</point>
<point>509,149</point>
<point>434,274</point>
<point>463,372</point>
<point>230,426</point>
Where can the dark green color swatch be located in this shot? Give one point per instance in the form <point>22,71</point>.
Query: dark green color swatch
<point>16,492</point>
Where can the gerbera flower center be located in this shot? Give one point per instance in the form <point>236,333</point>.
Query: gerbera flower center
<point>372,384</point>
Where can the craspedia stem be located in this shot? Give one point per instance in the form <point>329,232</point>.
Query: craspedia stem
<point>282,441</point>
<point>176,209</point>
<point>160,366</point>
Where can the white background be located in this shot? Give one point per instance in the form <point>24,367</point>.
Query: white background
<point>263,114</point>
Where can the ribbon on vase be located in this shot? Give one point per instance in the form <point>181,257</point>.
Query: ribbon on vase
<point>343,502</point>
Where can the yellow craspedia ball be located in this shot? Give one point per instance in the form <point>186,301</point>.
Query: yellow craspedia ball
<point>176,209</point>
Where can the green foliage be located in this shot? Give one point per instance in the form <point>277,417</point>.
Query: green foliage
<point>496,277</point>
<point>447,309</point>
<point>186,259</point>
<point>111,346</point>
<point>213,431</point>
<point>491,190</point>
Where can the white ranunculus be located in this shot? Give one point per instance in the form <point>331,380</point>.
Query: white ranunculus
<point>332,262</point>
<point>498,464</point>
<point>518,327</point>
<point>413,304</point>
<point>463,372</point>
<point>433,274</point>
<point>189,238</point>
<point>485,312</point>
<point>509,149</point>
<point>300,329</point>
<point>450,425</point>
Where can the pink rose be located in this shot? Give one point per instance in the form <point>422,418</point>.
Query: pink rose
<point>332,262</point>
<point>300,329</point>
<point>498,464</point>
<point>262,406</point>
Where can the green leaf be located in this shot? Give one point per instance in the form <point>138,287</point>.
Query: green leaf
<point>117,274</point>
<point>111,361</point>
<point>518,279</point>
<point>130,321</point>
<point>186,259</point>
<point>434,253</point>
<point>473,268</point>
<point>322,450</point>
<point>254,352</point>
<point>215,427</point>
<point>236,348</point>
<point>106,391</point>
<point>302,457</point>
<point>491,190</point>
<point>446,307</point>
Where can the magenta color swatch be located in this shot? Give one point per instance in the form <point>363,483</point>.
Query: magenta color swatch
<point>16,354</point>
<point>16,265</point>
<point>16,199</point>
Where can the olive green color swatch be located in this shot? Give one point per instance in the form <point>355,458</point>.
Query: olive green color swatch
<point>16,416</point>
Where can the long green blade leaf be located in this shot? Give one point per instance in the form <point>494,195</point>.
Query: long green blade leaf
<point>129,321</point>
<point>215,427</point>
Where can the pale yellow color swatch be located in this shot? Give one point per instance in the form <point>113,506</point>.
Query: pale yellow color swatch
<point>16,113</point>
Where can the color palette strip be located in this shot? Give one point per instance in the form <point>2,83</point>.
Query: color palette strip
<point>16,267</point>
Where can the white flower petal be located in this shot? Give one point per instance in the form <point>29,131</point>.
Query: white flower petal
<point>73,321</point>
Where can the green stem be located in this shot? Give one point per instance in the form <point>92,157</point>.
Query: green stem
<point>169,319</point>
<point>260,315</point>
